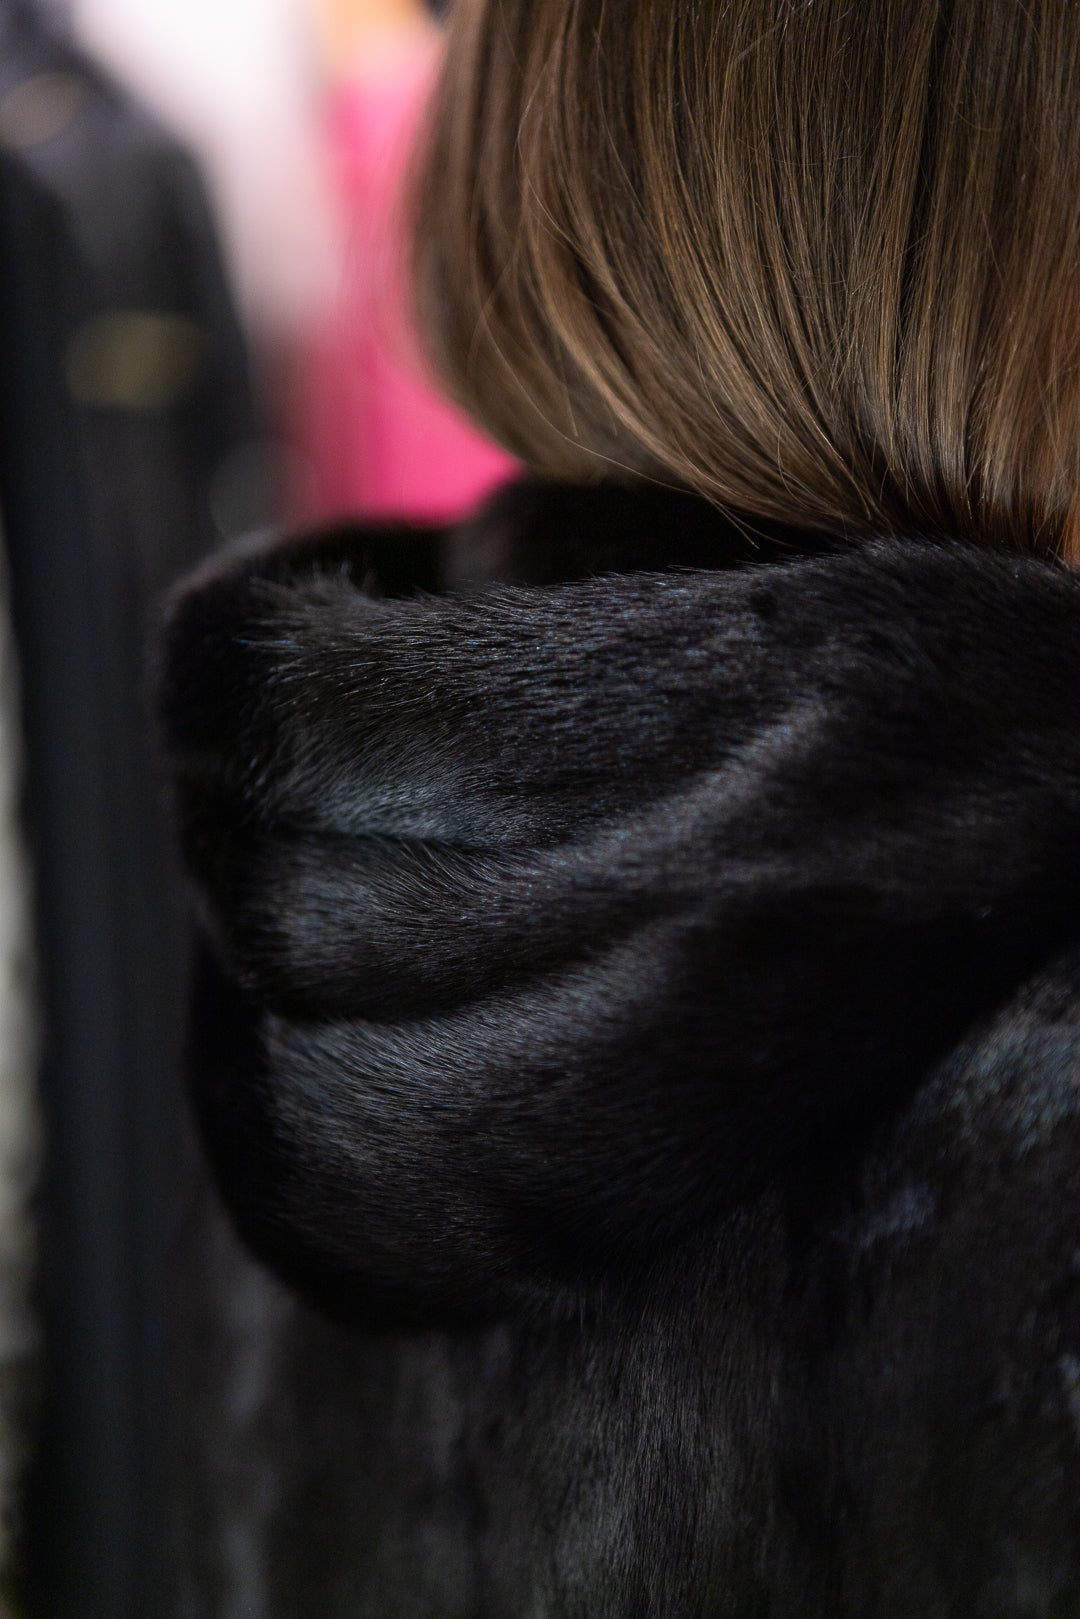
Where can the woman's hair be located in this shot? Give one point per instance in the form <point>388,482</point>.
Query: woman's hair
<point>816,259</point>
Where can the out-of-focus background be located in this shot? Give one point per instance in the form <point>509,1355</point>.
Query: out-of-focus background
<point>303,116</point>
<point>204,328</point>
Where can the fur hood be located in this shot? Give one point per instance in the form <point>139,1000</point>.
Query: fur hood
<point>656,949</point>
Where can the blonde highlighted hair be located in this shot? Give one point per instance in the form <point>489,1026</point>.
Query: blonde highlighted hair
<point>818,260</point>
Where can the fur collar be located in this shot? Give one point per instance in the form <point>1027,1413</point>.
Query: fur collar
<point>584,912</point>
<point>670,981</point>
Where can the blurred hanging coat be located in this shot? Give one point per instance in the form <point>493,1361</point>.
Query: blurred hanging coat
<point>124,400</point>
<point>377,440</point>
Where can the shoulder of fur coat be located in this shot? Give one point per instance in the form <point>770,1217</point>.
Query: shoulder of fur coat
<point>642,977</point>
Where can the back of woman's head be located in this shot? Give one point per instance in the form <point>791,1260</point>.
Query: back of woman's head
<point>818,260</point>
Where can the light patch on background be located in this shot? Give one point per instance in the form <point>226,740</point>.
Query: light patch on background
<point>40,108</point>
<point>237,80</point>
<point>134,360</point>
<point>19,1120</point>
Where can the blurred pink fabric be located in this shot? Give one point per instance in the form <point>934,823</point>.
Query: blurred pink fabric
<point>376,439</point>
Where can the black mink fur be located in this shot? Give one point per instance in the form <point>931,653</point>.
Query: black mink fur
<point>642,991</point>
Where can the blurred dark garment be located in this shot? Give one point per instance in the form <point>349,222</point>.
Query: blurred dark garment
<point>125,410</point>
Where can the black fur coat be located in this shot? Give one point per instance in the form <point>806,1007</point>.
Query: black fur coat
<point>642,1009</point>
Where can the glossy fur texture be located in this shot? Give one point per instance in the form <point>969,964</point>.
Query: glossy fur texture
<point>651,1002</point>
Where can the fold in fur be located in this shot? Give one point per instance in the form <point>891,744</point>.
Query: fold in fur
<point>563,931</point>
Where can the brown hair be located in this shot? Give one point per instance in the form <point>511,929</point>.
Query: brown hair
<point>817,259</point>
